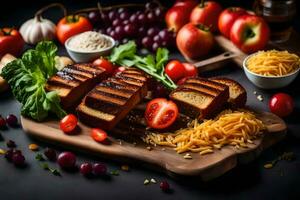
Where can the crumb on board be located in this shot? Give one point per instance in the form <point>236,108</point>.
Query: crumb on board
<point>146,182</point>
<point>149,148</point>
<point>260,97</point>
<point>187,156</point>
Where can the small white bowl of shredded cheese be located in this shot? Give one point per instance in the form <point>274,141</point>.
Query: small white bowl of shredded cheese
<point>88,46</point>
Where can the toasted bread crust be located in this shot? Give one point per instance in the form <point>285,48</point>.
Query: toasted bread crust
<point>237,93</point>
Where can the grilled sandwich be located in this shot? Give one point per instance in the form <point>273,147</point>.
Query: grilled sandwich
<point>200,98</point>
<point>111,100</point>
<point>237,93</point>
<point>73,82</point>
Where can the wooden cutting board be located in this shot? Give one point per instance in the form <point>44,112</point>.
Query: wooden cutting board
<point>205,167</point>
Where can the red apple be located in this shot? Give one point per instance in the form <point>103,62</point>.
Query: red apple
<point>228,17</point>
<point>207,13</point>
<point>194,40</point>
<point>179,15</point>
<point>250,33</point>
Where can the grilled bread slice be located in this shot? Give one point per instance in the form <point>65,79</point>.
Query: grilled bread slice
<point>237,93</point>
<point>111,100</point>
<point>200,98</point>
<point>73,82</point>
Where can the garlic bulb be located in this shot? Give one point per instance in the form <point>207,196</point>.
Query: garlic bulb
<point>38,29</point>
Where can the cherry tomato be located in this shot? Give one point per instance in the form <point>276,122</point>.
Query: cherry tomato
<point>68,123</point>
<point>98,134</point>
<point>281,104</point>
<point>105,64</point>
<point>11,42</point>
<point>175,70</point>
<point>72,25</point>
<point>119,70</point>
<point>160,113</point>
<point>190,70</point>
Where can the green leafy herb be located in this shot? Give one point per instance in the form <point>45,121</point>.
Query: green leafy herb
<point>54,171</point>
<point>45,166</point>
<point>115,172</point>
<point>39,157</point>
<point>27,77</point>
<point>126,55</point>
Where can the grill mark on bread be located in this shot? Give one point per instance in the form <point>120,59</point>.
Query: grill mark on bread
<point>212,84</point>
<point>121,92</point>
<point>61,80</point>
<point>202,88</point>
<point>82,73</point>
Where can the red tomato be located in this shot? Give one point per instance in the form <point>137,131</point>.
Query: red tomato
<point>105,64</point>
<point>11,42</point>
<point>72,25</point>
<point>175,70</point>
<point>207,13</point>
<point>68,123</point>
<point>119,70</point>
<point>190,70</point>
<point>227,18</point>
<point>160,113</point>
<point>98,134</point>
<point>281,104</point>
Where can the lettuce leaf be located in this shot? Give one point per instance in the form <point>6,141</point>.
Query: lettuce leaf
<point>27,78</point>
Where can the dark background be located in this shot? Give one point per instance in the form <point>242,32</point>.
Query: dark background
<point>249,181</point>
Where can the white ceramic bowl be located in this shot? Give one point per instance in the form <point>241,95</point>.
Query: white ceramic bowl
<point>88,56</point>
<point>268,82</point>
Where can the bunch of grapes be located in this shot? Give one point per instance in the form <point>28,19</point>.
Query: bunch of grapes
<point>146,27</point>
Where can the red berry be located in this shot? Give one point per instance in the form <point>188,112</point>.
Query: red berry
<point>18,159</point>
<point>99,169</point>
<point>164,185</point>
<point>50,154</point>
<point>66,160</point>
<point>11,120</point>
<point>86,169</point>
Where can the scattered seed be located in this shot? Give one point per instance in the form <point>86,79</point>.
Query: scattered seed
<point>149,148</point>
<point>268,166</point>
<point>254,92</point>
<point>146,182</point>
<point>125,168</point>
<point>134,144</point>
<point>33,147</point>
<point>120,142</point>
<point>260,97</point>
<point>2,151</point>
<point>187,156</point>
<point>163,149</point>
<point>153,180</point>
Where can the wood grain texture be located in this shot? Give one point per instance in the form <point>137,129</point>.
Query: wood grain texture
<point>205,167</point>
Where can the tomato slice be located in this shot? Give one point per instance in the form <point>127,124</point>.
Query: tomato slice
<point>119,70</point>
<point>190,70</point>
<point>175,70</point>
<point>106,64</point>
<point>98,134</point>
<point>68,123</point>
<point>161,113</point>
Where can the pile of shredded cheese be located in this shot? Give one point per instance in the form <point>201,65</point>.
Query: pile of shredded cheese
<point>273,63</point>
<point>237,128</point>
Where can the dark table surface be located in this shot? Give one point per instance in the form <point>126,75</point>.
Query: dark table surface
<point>249,181</point>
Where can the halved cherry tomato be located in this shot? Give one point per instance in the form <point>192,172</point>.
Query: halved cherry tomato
<point>98,134</point>
<point>161,113</point>
<point>105,64</point>
<point>119,70</point>
<point>68,123</point>
<point>190,70</point>
<point>281,104</point>
<point>175,70</point>
<point>72,25</point>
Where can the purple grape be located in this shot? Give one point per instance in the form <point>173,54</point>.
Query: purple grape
<point>18,159</point>
<point>147,42</point>
<point>142,18</point>
<point>159,13</point>
<point>94,17</point>
<point>11,120</point>
<point>133,19</point>
<point>124,16</point>
<point>112,15</point>
<point>130,29</point>
<point>150,5</point>
<point>99,169</point>
<point>120,31</point>
<point>115,35</point>
<point>121,10</point>
<point>125,40</point>
<point>66,160</point>
<point>50,154</point>
<point>164,185</point>
<point>152,31</point>
<point>86,169</point>
<point>141,31</point>
<point>155,46</point>
<point>116,22</point>
<point>104,17</point>
<point>109,30</point>
<point>164,34</point>
<point>125,22</point>
<point>150,17</point>
<point>157,39</point>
